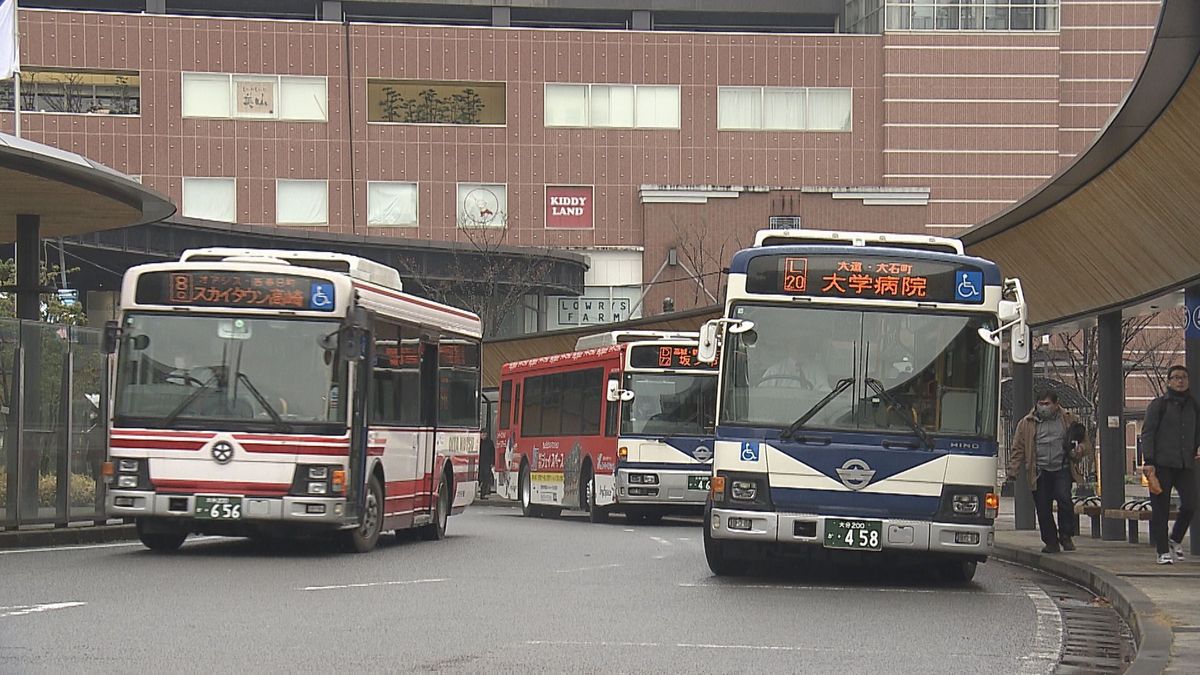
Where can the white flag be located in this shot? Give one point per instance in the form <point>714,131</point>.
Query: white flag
<point>10,54</point>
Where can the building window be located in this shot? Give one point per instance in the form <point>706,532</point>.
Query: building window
<point>482,205</point>
<point>210,199</point>
<point>973,15</point>
<point>435,102</point>
<point>97,92</point>
<point>301,202</point>
<point>223,96</point>
<point>784,108</point>
<point>622,106</point>
<point>391,204</point>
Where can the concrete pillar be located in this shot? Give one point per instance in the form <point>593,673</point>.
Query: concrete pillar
<point>1024,514</point>
<point>1192,361</point>
<point>1111,431</point>
<point>29,265</point>
<point>501,17</point>
<point>156,6</point>
<point>642,20</point>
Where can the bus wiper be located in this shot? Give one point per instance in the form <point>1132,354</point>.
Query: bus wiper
<point>191,398</point>
<point>895,403</point>
<point>262,400</point>
<point>842,385</point>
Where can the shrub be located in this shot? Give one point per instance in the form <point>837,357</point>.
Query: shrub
<point>81,491</point>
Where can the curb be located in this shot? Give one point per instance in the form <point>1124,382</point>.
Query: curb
<point>1154,636</point>
<point>63,536</point>
<point>493,501</point>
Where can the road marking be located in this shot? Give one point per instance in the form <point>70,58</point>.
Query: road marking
<point>22,610</point>
<point>630,529</point>
<point>683,539</point>
<point>839,589</point>
<point>589,569</point>
<point>85,547</point>
<point>681,645</point>
<point>660,557</point>
<point>373,584</point>
<point>1047,637</point>
<point>662,541</point>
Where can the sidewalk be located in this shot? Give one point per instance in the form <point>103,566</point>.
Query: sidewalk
<point>1161,603</point>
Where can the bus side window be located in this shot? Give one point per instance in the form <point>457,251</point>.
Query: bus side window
<point>592,384</point>
<point>505,404</point>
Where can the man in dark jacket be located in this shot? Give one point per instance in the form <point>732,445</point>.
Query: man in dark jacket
<point>1042,448</point>
<point>1170,446</point>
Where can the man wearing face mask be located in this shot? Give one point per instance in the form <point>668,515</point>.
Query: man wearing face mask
<point>1052,464</point>
<point>1170,436</point>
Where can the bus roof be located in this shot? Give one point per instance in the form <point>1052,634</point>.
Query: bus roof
<point>350,265</point>
<point>619,336</point>
<point>907,242</point>
<point>553,361</point>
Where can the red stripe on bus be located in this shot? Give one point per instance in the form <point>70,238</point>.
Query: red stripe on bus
<point>222,487</point>
<point>150,444</point>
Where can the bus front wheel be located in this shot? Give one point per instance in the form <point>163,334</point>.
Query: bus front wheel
<point>716,553</point>
<point>527,507</point>
<point>364,537</point>
<point>959,571</point>
<point>596,513</point>
<point>160,541</point>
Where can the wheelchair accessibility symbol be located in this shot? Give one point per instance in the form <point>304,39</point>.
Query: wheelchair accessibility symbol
<point>749,451</point>
<point>321,297</point>
<point>968,286</point>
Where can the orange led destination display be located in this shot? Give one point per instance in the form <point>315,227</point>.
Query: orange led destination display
<point>675,357</point>
<point>236,289</point>
<point>866,277</point>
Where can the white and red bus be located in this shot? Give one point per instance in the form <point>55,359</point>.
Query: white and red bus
<point>624,423</point>
<point>271,393</point>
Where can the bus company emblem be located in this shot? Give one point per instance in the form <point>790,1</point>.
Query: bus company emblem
<point>702,453</point>
<point>222,452</point>
<point>855,474</point>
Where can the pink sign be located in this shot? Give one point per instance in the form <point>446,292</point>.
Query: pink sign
<point>569,207</point>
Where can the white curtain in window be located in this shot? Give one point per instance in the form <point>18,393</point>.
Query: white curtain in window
<point>390,204</point>
<point>303,98</point>
<point>302,202</point>
<point>829,109</point>
<point>783,108</point>
<point>611,105</point>
<point>205,95</point>
<point>657,107</point>
<point>566,105</point>
<point>210,199</point>
<point>739,107</point>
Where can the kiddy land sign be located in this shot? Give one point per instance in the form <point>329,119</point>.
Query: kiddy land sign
<point>569,207</point>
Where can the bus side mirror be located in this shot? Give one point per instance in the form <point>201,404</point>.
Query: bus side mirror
<point>355,335</point>
<point>1019,345</point>
<point>708,341</point>
<point>616,393</point>
<point>112,336</point>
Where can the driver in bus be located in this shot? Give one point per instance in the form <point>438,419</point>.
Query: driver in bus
<point>806,366</point>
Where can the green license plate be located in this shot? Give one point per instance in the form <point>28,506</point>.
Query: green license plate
<point>218,508</point>
<point>860,535</point>
<point>698,482</point>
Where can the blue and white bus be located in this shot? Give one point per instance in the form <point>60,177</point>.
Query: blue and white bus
<point>858,400</point>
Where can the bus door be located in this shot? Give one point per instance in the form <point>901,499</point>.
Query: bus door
<point>427,473</point>
<point>356,340</point>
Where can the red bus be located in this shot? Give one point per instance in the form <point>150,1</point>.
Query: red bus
<point>623,424</point>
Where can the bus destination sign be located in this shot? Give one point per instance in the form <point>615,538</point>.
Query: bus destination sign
<point>236,289</point>
<point>865,277</point>
<point>675,357</point>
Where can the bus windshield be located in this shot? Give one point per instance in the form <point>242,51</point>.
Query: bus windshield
<point>933,369</point>
<point>230,373</point>
<point>666,404</point>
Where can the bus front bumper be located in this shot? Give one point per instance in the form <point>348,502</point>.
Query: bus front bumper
<point>142,503</point>
<point>898,535</point>
<point>673,486</point>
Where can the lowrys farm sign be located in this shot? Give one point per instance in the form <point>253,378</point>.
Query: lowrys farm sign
<point>568,207</point>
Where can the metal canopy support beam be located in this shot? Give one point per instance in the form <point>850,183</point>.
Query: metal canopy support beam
<point>642,20</point>
<point>331,10</point>
<point>501,17</point>
<point>29,266</point>
<point>1022,403</point>
<point>1192,361</point>
<point>1111,431</point>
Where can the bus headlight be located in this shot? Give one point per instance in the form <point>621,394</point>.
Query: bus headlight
<point>318,472</point>
<point>743,490</point>
<point>318,488</point>
<point>127,481</point>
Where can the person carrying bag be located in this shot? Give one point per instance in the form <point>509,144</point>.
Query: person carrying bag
<point>1170,447</point>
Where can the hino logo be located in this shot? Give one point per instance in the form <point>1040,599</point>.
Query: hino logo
<point>702,453</point>
<point>222,452</point>
<point>965,445</point>
<point>855,474</point>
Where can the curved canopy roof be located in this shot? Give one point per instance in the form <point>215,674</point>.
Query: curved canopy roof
<point>1120,224</point>
<point>68,192</point>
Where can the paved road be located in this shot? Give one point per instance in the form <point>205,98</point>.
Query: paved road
<point>503,594</point>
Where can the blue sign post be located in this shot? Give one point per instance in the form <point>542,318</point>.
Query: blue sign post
<point>1191,300</point>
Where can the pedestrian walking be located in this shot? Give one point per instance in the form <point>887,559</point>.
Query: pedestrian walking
<point>487,458</point>
<point>1048,445</point>
<point>1170,447</point>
